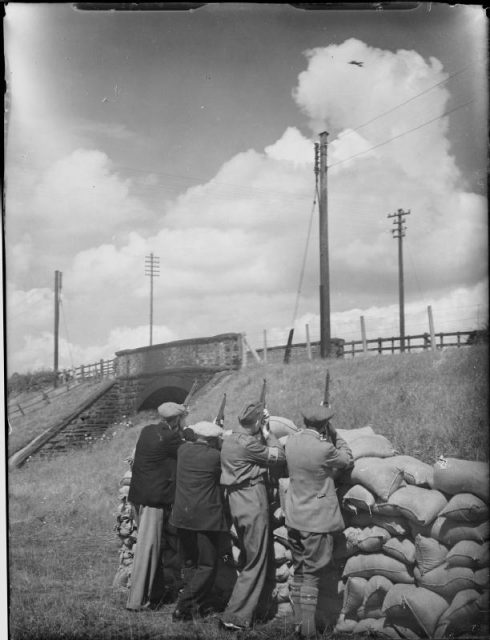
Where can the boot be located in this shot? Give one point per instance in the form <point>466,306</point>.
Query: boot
<point>295,599</point>
<point>308,600</point>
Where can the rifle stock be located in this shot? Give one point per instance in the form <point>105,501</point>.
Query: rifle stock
<point>220,418</point>
<point>326,395</point>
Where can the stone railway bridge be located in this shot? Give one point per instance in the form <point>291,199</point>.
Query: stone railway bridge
<point>148,376</point>
<point>144,379</point>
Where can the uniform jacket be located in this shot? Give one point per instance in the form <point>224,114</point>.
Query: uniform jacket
<point>154,466</point>
<point>244,457</point>
<point>197,504</point>
<point>311,500</point>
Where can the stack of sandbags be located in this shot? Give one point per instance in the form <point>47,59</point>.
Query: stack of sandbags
<point>415,551</point>
<point>127,532</point>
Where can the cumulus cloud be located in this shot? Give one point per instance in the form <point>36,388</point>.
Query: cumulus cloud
<point>231,249</point>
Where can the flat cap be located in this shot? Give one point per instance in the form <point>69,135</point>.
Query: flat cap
<point>316,414</point>
<point>206,429</point>
<point>171,410</point>
<point>251,413</point>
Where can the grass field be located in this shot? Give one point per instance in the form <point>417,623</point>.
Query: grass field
<point>63,552</point>
<point>62,403</point>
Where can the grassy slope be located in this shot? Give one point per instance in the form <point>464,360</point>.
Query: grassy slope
<point>38,419</point>
<point>63,552</point>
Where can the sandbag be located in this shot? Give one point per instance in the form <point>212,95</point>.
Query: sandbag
<point>429,553</point>
<point>369,625</point>
<point>345,625</point>
<point>374,595</point>
<point>415,607</point>
<point>395,525</point>
<point>281,592</point>
<point>282,573</point>
<point>282,426</point>
<point>372,445</point>
<point>281,554</point>
<point>466,508</point>
<point>462,614</point>
<point>447,581</point>
<point>400,549</point>
<point>357,497</point>
<point>452,475</point>
<point>353,596</point>
<point>418,504</point>
<point>450,532</point>
<point>283,489</point>
<point>284,610</point>
<point>349,435</point>
<point>369,565</point>
<point>379,475</point>
<point>468,553</point>
<point>415,471</point>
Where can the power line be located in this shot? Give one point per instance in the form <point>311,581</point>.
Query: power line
<point>446,113</point>
<point>303,265</point>
<point>400,105</point>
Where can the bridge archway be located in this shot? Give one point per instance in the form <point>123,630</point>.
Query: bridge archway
<point>165,388</point>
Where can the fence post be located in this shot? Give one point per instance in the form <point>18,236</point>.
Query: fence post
<point>363,335</point>
<point>82,371</point>
<point>101,367</point>
<point>380,345</point>
<point>408,344</point>
<point>308,343</point>
<point>287,353</point>
<point>20,409</point>
<point>431,329</point>
<point>264,357</point>
<point>392,345</point>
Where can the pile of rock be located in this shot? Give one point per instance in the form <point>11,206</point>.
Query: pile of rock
<point>127,532</point>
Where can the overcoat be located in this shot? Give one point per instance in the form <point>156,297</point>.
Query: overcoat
<point>198,505</point>
<point>154,466</point>
<point>311,499</point>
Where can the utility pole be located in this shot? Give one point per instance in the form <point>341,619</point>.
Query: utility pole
<point>399,233</point>
<point>57,291</point>
<point>152,266</point>
<point>321,158</point>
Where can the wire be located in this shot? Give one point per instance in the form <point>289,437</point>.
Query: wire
<point>424,124</point>
<point>399,105</point>
<point>302,272</point>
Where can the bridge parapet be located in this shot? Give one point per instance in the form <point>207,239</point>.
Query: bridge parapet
<point>218,352</point>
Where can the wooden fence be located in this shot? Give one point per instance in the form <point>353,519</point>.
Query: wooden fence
<point>67,379</point>
<point>311,350</point>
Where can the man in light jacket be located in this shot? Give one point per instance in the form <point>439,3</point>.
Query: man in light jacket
<point>312,508</point>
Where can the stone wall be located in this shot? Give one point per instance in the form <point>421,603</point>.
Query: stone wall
<point>219,352</point>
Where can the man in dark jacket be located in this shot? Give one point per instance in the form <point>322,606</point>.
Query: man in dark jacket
<point>151,492</point>
<point>246,455</point>
<point>198,515</point>
<point>312,508</point>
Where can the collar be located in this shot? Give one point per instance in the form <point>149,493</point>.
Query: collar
<point>312,432</point>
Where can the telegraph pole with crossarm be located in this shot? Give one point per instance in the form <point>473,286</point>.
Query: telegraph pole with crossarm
<point>152,266</point>
<point>399,233</point>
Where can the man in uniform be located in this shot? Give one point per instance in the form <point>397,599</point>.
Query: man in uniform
<point>246,455</point>
<point>151,493</point>
<point>312,508</point>
<point>198,516</point>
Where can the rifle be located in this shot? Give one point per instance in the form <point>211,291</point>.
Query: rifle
<point>262,393</point>
<point>220,418</point>
<point>190,394</point>
<point>326,395</point>
<point>326,403</point>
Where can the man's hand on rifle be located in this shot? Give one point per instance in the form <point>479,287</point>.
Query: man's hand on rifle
<point>264,427</point>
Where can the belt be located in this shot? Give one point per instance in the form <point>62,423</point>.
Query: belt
<point>243,485</point>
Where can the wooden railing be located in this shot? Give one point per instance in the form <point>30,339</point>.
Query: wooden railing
<point>67,379</point>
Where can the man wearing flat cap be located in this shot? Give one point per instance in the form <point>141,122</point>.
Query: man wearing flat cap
<point>198,516</point>
<point>246,455</point>
<point>312,508</point>
<point>152,492</point>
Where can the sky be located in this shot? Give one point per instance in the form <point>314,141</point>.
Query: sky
<point>190,135</point>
